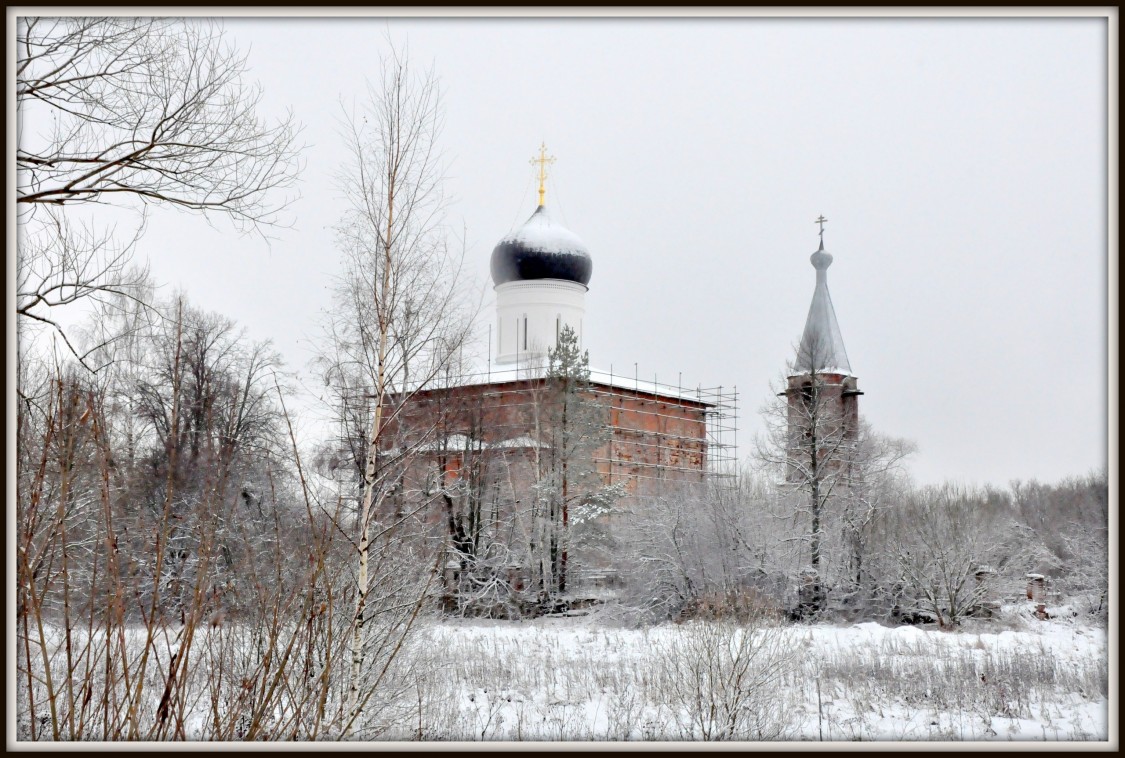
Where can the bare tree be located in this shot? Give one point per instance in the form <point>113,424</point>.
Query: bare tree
<point>152,109</point>
<point>878,481</point>
<point>811,438</point>
<point>183,582</point>
<point>471,476</point>
<point>403,318</point>
<point>1070,519</point>
<point>126,112</point>
<point>951,543</point>
<point>836,476</point>
<point>61,262</point>
<point>683,549</point>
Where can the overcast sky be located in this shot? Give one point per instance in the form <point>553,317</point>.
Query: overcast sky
<point>961,165</point>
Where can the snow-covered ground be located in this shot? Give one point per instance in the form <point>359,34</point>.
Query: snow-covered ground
<point>591,678</point>
<point>581,679</point>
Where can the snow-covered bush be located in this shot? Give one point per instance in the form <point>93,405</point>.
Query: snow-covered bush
<point>723,680</point>
<point>695,551</point>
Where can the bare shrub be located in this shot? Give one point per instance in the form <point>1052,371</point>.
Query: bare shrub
<point>723,680</point>
<point>739,605</point>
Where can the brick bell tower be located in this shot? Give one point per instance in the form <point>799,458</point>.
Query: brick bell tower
<point>822,393</point>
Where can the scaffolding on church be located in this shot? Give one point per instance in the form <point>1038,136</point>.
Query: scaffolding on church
<point>719,406</point>
<point>658,446</point>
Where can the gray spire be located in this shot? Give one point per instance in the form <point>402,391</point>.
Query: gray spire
<point>822,345</point>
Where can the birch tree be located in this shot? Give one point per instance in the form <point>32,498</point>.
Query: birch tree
<point>402,318</point>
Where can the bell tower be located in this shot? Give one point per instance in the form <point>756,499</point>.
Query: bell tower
<point>822,392</point>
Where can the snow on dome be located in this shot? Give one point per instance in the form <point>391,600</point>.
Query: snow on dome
<point>541,249</point>
<point>542,234</point>
<point>822,345</point>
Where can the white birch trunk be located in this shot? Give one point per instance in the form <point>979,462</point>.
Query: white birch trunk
<point>358,648</point>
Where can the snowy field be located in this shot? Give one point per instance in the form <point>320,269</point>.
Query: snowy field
<point>593,679</point>
<point>578,679</point>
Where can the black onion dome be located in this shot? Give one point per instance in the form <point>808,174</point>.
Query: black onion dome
<point>541,249</point>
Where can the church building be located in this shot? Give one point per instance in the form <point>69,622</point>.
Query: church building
<point>510,483</point>
<point>658,433</point>
<point>506,483</point>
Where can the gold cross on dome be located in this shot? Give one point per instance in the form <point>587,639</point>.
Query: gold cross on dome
<point>821,221</point>
<point>543,160</point>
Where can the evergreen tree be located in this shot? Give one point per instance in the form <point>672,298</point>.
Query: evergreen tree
<point>569,491</point>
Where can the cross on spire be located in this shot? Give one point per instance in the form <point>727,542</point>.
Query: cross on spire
<point>821,221</point>
<point>543,160</point>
